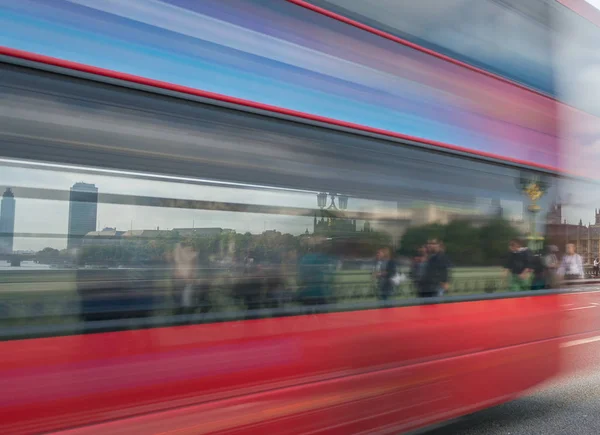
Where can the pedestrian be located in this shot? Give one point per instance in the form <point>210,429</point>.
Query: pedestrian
<point>315,273</point>
<point>385,274</point>
<point>185,278</point>
<point>518,266</point>
<point>551,265</point>
<point>417,269</point>
<point>571,266</point>
<point>436,276</point>
<point>538,269</point>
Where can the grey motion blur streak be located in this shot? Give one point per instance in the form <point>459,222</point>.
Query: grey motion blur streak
<point>54,118</point>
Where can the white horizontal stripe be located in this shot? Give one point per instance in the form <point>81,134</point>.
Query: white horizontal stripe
<point>581,341</point>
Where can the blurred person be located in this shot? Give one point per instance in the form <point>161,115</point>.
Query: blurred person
<point>189,292</point>
<point>386,274</point>
<point>377,270</point>
<point>518,266</point>
<point>538,269</point>
<point>551,265</point>
<point>417,269</point>
<point>596,269</point>
<point>571,266</point>
<point>275,285</point>
<point>436,276</point>
<point>314,274</point>
<point>248,287</point>
<point>378,263</point>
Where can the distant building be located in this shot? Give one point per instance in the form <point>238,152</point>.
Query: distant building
<point>586,238</point>
<point>145,234</point>
<point>112,233</point>
<point>202,232</point>
<point>108,236</point>
<point>83,211</point>
<point>7,222</point>
<point>333,221</point>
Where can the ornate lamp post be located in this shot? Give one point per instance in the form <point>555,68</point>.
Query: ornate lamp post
<point>322,200</point>
<point>534,187</point>
<point>322,204</point>
<point>342,201</point>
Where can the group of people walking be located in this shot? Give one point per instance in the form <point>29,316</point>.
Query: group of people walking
<point>525,269</point>
<point>430,271</point>
<point>535,271</point>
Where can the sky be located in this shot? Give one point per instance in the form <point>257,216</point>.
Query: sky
<point>595,3</point>
<point>277,53</point>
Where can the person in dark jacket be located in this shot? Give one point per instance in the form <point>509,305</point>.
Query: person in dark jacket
<point>538,269</point>
<point>519,266</point>
<point>436,276</point>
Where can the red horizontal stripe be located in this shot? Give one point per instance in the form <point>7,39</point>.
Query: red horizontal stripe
<point>75,66</point>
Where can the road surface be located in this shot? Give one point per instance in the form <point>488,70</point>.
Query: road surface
<point>567,406</point>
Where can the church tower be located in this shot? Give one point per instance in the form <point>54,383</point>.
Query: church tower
<point>555,214</point>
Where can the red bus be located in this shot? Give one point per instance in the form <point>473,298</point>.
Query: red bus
<point>216,270</point>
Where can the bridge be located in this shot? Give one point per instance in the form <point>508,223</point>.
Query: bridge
<point>16,259</point>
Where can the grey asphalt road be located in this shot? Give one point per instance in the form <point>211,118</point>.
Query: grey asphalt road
<point>566,406</point>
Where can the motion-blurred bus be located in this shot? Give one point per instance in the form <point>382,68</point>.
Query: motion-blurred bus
<point>202,203</point>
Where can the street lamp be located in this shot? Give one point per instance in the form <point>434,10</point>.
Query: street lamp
<point>534,187</point>
<point>342,201</point>
<point>334,213</point>
<point>322,200</point>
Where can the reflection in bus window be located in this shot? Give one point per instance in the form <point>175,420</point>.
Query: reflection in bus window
<point>135,257</point>
<point>265,218</point>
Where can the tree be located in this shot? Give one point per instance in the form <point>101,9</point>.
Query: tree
<point>48,255</point>
<point>416,237</point>
<point>463,244</point>
<point>495,237</point>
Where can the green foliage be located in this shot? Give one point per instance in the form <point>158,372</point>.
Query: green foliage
<point>463,243</point>
<point>360,244</point>
<point>495,237</point>
<point>415,237</point>
<point>466,244</point>
<point>48,255</point>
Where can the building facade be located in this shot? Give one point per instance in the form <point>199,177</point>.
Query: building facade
<point>586,238</point>
<point>106,237</point>
<point>7,222</point>
<point>83,212</point>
